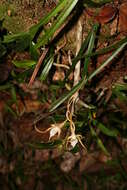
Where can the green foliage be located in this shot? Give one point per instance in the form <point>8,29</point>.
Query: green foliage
<point>99,141</point>
<point>67,95</point>
<point>92,3</point>
<point>119,90</point>
<point>34,29</point>
<point>46,69</point>
<point>2,50</point>
<point>90,48</point>
<point>60,20</point>
<point>24,63</point>
<point>107,131</point>
<point>85,44</point>
<point>83,81</point>
<point>48,145</point>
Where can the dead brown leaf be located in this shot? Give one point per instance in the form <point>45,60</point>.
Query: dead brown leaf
<point>30,106</point>
<point>88,161</point>
<point>59,75</point>
<point>123,18</point>
<point>41,155</point>
<point>106,14</point>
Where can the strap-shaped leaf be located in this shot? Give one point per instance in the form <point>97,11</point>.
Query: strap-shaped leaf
<point>107,131</point>
<point>106,49</point>
<point>91,3</point>
<point>114,54</point>
<point>34,29</point>
<point>60,20</point>
<point>67,95</point>
<point>102,147</point>
<point>24,63</point>
<point>6,86</point>
<point>14,37</point>
<point>33,51</point>
<point>90,48</point>
<point>99,141</point>
<point>81,51</point>
<point>46,69</point>
<point>48,145</point>
<point>2,50</point>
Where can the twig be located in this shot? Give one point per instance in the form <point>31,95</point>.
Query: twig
<point>61,65</point>
<point>62,45</point>
<point>77,67</point>
<point>73,138</point>
<point>37,67</point>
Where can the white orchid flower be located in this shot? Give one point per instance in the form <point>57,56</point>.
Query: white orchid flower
<point>73,139</point>
<point>55,129</point>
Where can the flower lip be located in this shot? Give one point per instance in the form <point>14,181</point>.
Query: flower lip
<point>72,141</point>
<point>54,131</point>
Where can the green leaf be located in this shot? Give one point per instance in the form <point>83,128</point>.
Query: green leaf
<point>93,133</point>
<point>99,142</point>
<point>33,51</point>
<point>34,29</point>
<point>6,86</point>
<point>107,131</point>
<point>106,49</point>
<point>90,49</point>
<point>24,63</point>
<point>101,145</point>
<point>60,20</point>
<point>13,94</point>
<point>81,51</point>
<point>46,69</point>
<point>14,37</point>
<point>9,109</point>
<point>18,42</point>
<point>14,97</point>
<point>48,145</point>
<point>120,86</point>
<point>119,90</point>
<point>82,82</point>
<point>67,95</point>
<point>114,54</point>
<point>2,50</point>
<point>121,95</point>
<point>91,3</point>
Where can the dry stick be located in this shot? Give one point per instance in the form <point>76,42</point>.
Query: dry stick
<point>42,58</point>
<point>73,99</point>
<point>73,138</point>
<point>78,65</point>
<point>37,67</point>
<point>62,45</point>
